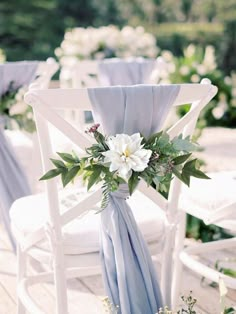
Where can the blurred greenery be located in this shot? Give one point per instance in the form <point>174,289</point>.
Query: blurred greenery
<point>33,29</point>
<point>197,229</point>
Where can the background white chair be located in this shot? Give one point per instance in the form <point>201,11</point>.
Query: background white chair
<point>62,231</point>
<point>213,201</point>
<point>109,72</point>
<point>25,145</point>
<point>87,73</point>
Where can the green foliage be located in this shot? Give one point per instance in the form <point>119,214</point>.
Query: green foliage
<point>33,29</point>
<point>227,58</point>
<point>197,229</point>
<point>176,36</point>
<point>226,270</point>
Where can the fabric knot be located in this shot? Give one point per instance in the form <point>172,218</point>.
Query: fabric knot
<point>122,192</point>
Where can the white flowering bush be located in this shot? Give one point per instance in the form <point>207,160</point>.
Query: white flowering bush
<point>2,56</point>
<point>198,63</point>
<point>16,113</point>
<point>105,42</point>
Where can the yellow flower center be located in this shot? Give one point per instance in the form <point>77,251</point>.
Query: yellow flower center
<point>127,152</point>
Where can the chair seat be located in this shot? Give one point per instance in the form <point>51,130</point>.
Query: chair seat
<point>82,234</point>
<point>204,197</point>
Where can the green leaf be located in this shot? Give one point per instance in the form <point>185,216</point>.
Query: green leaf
<point>230,310</point>
<point>190,169</point>
<point>163,140</point>
<point>67,157</point>
<point>94,177</point>
<point>154,137</point>
<point>156,180</point>
<point>63,176</point>
<point>185,177</point>
<point>57,163</point>
<point>133,182</point>
<point>229,272</point>
<point>177,173</point>
<point>183,144</point>
<point>181,159</point>
<point>75,156</point>
<point>51,174</point>
<point>70,175</point>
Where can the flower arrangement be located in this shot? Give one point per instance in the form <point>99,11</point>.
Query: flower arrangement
<point>119,159</point>
<point>195,64</point>
<point>16,113</point>
<point>105,42</point>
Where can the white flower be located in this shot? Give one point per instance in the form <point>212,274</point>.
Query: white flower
<point>18,108</point>
<point>126,154</point>
<point>190,51</point>
<point>195,78</point>
<point>184,70</point>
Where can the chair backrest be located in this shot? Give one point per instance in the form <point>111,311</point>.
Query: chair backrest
<point>46,104</point>
<point>45,71</point>
<point>86,73</point>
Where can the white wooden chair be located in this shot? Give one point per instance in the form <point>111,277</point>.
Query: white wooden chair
<point>213,201</point>
<point>86,73</point>
<point>67,238</point>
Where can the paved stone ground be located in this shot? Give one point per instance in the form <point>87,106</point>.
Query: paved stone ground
<point>219,148</point>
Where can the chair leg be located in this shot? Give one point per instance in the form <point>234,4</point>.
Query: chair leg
<point>166,267</point>
<point>21,272</point>
<point>178,265</point>
<point>60,284</point>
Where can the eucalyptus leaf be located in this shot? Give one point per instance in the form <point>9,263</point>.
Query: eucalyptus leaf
<point>163,140</point>
<point>183,144</point>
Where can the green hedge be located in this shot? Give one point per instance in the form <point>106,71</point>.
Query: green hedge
<point>176,36</point>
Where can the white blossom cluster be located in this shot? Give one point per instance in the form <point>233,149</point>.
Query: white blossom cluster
<point>2,56</point>
<point>19,106</point>
<point>105,42</point>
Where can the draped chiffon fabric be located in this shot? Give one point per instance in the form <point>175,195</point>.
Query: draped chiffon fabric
<point>13,182</point>
<point>129,276</point>
<point>125,71</point>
